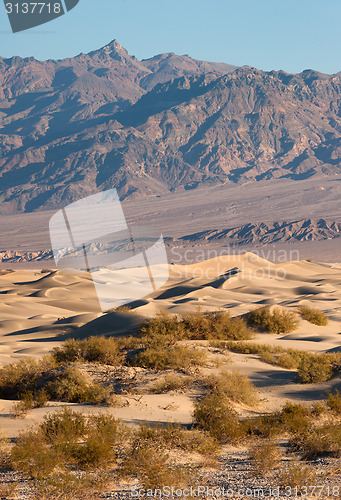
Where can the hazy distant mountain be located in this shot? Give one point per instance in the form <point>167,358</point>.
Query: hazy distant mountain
<point>73,127</point>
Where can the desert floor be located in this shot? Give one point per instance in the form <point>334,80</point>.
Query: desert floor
<point>38,311</point>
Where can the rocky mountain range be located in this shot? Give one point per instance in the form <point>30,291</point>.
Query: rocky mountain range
<point>81,125</point>
<point>253,233</point>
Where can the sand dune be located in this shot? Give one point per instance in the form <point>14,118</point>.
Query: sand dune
<point>37,312</point>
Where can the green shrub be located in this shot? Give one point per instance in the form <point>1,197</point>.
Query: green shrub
<point>313,315</point>
<point>272,321</point>
<point>104,350</point>
<point>219,326</point>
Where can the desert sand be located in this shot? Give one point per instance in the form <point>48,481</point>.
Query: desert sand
<point>39,311</point>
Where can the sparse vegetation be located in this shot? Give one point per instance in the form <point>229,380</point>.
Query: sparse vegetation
<point>311,367</point>
<point>334,402</point>
<point>297,475</point>
<point>274,320</point>
<point>176,357</point>
<point>265,456</point>
<point>313,315</point>
<point>233,386</point>
<point>104,350</point>
<point>171,382</point>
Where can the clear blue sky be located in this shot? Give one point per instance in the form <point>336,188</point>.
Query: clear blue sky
<point>292,35</point>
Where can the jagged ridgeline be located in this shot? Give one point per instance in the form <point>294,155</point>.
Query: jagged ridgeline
<point>73,127</point>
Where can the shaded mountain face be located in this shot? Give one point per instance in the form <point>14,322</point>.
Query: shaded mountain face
<point>74,127</point>
<point>269,232</point>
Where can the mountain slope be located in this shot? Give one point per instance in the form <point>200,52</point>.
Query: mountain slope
<point>70,128</point>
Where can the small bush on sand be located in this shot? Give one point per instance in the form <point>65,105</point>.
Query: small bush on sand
<point>313,315</point>
<point>233,386</point>
<point>297,475</point>
<point>334,402</point>
<point>171,382</point>
<point>265,456</point>
<point>219,326</point>
<point>92,350</point>
<point>215,415</point>
<point>67,439</point>
<point>29,401</point>
<point>22,376</point>
<point>272,321</point>
<point>318,441</point>
<point>177,357</point>
<point>315,368</point>
<point>172,436</point>
<point>71,385</point>
<point>150,466</point>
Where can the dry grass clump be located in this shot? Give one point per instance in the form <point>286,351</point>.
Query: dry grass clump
<point>272,321</point>
<point>313,315</point>
<point>171,382</point>
<point>265,456</point>
<point>103,350</point>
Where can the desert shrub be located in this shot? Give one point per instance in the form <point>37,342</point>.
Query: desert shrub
<point>68,439</point>
<point>318,441</point>
<point>272,321</point>
<point>150,466</point>
<point>171,382</point>
<point>313,315</point>
<point>104,350</point>
<point>162,330</point>
<point>67,485</point>
<point>22,376</point>
<point>265,456</point>
<point>5,456</point>
<point>263,426</point>
<point>29,401</point>
<point>295,417</point>
<point>233,386</point>
<point>70,384</point>
<point>173,436</point>
<point>177,357</point>
<point>334,401</point>
<point>7,489</point>
<point>314,368</point>
<point>219,326</point>
<point>311,367</point>
<point>215,415</point>
<point>33,456</point>
<point>297,475</point>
